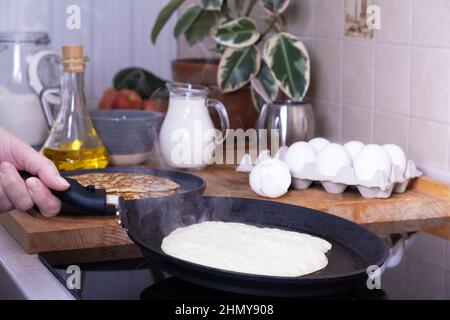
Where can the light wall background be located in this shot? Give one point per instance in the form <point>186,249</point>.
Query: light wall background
<point>115,33</point>
<point>394,88</point>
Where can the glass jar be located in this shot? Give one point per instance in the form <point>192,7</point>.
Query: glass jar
<point>20,110</point>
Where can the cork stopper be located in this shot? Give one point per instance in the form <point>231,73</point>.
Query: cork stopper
<point>73,59</point>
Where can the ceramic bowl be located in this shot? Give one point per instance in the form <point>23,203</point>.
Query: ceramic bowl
<point>128,135</point>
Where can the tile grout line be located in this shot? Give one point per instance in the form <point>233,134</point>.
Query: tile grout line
<point>372,103</point>
<point>341,90</point>
<point>408,130</point>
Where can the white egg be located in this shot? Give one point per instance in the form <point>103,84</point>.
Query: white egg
<point>397,155</point>
<point>270,178</point>
<point>331,159</point>
<point>298,155</point>
<point>371,159</point>
<point>353,148</point>
<point>319,143</point>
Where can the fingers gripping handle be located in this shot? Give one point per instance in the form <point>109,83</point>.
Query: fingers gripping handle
<point>87,199</point>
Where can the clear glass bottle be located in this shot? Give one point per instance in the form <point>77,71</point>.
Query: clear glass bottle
<point>73,143</point>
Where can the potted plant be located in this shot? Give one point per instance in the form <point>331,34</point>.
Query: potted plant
<point>250,46</point>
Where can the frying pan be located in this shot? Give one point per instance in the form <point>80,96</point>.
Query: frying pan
<point>148,221</point>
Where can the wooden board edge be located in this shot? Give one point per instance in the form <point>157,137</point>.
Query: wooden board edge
<point>78,239</point>
<point>432,187</point>
<point>16,231</point>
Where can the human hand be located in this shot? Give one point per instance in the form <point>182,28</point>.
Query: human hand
<point>14,192</point>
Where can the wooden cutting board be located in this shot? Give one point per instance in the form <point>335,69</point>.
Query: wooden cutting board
<point>425,206</point>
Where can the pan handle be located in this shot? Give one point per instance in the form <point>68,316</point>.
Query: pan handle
<point>88,199</point>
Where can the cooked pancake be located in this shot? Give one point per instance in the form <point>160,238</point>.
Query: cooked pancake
<point>139,196</point>
<point>131,186</point>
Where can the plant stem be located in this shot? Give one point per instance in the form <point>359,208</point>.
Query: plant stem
<point>250,7</point>
<point>269,28</point>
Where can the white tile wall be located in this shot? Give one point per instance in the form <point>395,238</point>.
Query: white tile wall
<point>116,34</point>
<point>396,21</point>
<point>431,23</point>
<point>394,88</point>
<point>430,84</point>
<point>392,78</point>
<point>358,73</point>
<point>401,78</point>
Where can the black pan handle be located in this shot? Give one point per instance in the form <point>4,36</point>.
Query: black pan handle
<point>88,199</point>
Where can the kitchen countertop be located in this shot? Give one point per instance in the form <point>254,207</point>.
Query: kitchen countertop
<point>24,275</point>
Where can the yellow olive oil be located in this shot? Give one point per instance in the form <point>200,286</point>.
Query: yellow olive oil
<point>67,159</point>
<point>73,143</point>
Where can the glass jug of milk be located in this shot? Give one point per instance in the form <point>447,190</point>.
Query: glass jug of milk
<point>25,62</point>
<point>188,137</point>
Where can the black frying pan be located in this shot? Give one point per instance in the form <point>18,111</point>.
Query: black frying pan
<point>148,221</point>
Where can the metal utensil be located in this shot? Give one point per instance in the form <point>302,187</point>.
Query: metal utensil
<point>293,120</point>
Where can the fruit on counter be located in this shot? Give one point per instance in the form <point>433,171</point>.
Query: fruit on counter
<point>155,106</point>
<point>107,99</point>
<point>127,99</point>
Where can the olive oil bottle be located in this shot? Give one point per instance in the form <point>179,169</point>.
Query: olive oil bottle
<point>73,143</point>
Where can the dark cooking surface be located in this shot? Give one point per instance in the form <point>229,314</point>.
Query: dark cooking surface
<point>354,248</point>
<point>420,275</point>
<point>135,279</point>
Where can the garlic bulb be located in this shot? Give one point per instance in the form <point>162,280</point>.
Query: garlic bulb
<point>246,164</point>
<point>263,156</point>
<point>270,178</point>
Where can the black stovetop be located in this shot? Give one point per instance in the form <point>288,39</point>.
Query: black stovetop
<point>135,279</point>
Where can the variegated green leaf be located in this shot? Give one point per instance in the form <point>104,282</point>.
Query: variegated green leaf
<point>218,48</point>
<point>237,66</point>
<point>164,16</point>
<point>214,5</point>
<point>288,58</point>
<point>186,20</point>
<point>275,6</point>
<point>268,81</point>
<point>238,33</point>
<point>201,27</point>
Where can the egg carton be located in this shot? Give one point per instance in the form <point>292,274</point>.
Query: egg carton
<point>380,186</point>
